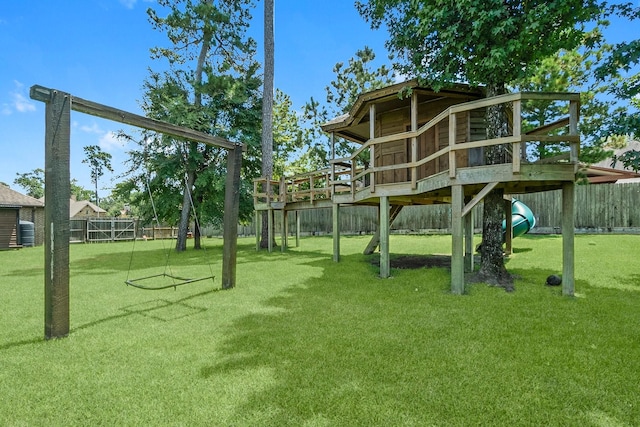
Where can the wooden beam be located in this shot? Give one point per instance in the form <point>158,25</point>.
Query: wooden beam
<point>57,194</point>
<point>452,143</point>
<point>41,93</point>
<point>414,140</point>
<point>230,217</point>
<point>457,246</point>
<point>478,198</point>
<point>257,218</point>
<point>385,262</point>
<point>372,134</point>
<point>517,130</point>
<point>468,242</point>
<point>336,231</point>
<point>568,224</point>
<point>270,230</point>
<point>508,230</point>
<point>297,228</point>
<point>284,232</point>
<point>375,239</point>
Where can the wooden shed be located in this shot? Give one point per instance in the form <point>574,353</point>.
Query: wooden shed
<point>15,207</point>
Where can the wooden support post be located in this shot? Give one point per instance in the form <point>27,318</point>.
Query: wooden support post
<point>283,240</point>
<point>384,226</point>
<point>568,255</point>
<point>297,229</point>
<point>257,218</point>
<point>517,131</point>
<point>375,239</point>
<point>57,194</point>
<point>574,116</point>
<point>414,140</point>
<point>468,242</point>
<point>230,218</point>
<point>452,143</point>
<point>457,246</point>
<point>372,134</point>
<point>270,229</point>
<point>508,228</point>
<point>333,165</point>
<point>336,231</point>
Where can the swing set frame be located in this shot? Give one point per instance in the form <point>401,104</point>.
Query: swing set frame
<point>58,190</point>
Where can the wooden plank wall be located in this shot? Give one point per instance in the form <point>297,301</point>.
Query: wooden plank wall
<point>8,228</point>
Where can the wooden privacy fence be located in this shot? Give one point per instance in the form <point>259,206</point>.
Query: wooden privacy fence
<point>91,230</point>
<point>602,208</point>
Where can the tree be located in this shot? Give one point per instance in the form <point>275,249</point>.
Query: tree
<point>98,161</point>
<point>287,133</point>
<point>493,43</point>
<point>32,181</point>
<point>218,95</point>
<point>79,192</point>
<point>357,77</point>
<point>574,71</point>
<point>267,109</point>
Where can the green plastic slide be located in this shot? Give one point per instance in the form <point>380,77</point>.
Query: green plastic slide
<point>522,218</point>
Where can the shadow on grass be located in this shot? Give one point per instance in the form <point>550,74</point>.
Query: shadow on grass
<point>159,309</point>
<point>349,348</point>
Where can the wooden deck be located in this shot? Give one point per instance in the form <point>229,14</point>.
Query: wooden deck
<point>525,169</point>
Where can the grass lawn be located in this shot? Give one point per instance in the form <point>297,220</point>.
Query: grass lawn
<point>304,341</point>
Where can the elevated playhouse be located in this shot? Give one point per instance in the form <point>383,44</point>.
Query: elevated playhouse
<point>428,147</point>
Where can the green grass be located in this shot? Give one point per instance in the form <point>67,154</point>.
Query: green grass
<point>303,341</point>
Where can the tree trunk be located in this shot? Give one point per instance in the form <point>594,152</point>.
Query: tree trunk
<point>493,270</point>
<point>267,108</point>
<point>183,226</point>
<point>197,232</point>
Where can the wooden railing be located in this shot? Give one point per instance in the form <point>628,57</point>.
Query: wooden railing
<point>309,186</point>
<point>514,144</point>
<point>358,171</point>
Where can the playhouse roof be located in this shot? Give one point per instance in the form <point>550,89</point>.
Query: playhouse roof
<point>354,125</point>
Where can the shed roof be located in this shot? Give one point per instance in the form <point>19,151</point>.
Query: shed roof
<point>12,199</point>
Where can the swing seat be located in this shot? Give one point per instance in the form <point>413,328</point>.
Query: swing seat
<point>177,281</point>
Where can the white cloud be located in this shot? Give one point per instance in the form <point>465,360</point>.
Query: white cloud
<point>19,102</point>
<point>129,4</point>
<point>94,128</point>
<point>110,141</point>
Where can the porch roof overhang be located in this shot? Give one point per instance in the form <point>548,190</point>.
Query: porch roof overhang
<point>354,125</point>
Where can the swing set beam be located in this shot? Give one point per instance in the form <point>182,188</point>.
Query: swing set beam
<point>58,191</point>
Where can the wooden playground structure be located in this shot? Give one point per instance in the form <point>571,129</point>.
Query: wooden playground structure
<point>428,148</point>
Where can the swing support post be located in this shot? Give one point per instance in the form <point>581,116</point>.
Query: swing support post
<point>231,212</point>
<point>57,153</point>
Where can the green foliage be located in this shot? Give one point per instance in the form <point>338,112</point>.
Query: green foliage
<point>32,181</point>
<point>315,342</point>
<point>358,77</point>
<point>80,192</point>
<point>211,85</point>
<point>629,159</point>
<point>490,42</point>
<point>287,133</point>
<point>98,161</point>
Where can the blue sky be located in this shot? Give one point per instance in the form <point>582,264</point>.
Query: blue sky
<point>99,50</point>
